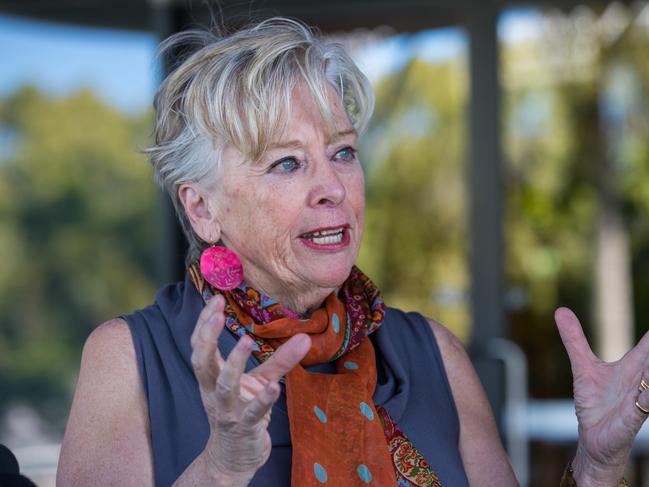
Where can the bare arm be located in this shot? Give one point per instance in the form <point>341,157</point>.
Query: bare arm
<point>608,398</point>
<point>107,436</point>
<point>483,455</point>
<point>108,439</point>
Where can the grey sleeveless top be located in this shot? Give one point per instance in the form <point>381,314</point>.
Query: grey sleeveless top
<point>412,386</point>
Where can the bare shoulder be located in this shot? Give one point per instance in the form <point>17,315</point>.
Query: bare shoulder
<point>115,330</point>
<point>483,455</point>
<point>110,344</point>
<point>452,349</point>
<point>106,440</point>
<point>459,369</point>
<point>108,362</point>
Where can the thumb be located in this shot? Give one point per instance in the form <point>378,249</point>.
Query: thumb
<point>573,338</point>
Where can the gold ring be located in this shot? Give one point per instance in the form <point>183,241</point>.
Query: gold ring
<point>641,409</point>
<point>643,385</point>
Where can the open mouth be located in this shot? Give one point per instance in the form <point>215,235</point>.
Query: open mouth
<point>330,236</point>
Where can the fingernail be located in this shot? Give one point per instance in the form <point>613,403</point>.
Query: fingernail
<point>303,340</point>
<point>246,342</point>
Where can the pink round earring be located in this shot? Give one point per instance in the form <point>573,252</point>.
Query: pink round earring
<point>221,268</point>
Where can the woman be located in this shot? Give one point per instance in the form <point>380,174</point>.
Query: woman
<point>256,139</point>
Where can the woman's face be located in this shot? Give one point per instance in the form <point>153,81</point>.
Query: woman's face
<point>296,218</point>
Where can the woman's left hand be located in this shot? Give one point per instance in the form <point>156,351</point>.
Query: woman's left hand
<point>605,402</point>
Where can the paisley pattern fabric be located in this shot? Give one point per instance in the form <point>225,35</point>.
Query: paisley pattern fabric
<point>336,430</point>
<point>411,467</point>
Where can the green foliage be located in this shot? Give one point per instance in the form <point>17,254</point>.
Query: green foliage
<point>554,175</point>
<point>78,214</point>
<point>416,230</point>
<point>415,234</point>
<point>77,222</point>
<point>550,211</point>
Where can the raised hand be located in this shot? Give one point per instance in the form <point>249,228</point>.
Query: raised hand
<point>238,404</point>
<point>605,402</point>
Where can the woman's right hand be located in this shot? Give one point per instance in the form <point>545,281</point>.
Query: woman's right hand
<point>237,404</point>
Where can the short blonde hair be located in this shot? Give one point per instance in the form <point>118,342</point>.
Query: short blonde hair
<point>236,90</point>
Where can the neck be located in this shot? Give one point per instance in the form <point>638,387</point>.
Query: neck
<point>303,301</point>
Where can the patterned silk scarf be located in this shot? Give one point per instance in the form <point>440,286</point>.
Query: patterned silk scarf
<point>337,433</point>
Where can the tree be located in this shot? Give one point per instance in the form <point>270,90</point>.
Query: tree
<point>415,233</point>
<point>77,237</point>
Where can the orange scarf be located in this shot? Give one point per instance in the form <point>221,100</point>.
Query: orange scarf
<point>335,430</point>
<point>338,436</point>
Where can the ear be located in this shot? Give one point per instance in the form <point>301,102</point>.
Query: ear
<point>200,212</point>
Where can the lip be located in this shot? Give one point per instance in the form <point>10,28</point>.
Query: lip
<point>346,240</point>
<point>344,226</point>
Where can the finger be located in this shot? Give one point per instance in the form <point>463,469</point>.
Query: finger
<point>229,380</point>
<point>206,359</point>
<point>284,359</point>
<point>214,305</point>
<point>642,402</point>
<point>640,353</point>
<point>573,338</point>
<point>257,409</point>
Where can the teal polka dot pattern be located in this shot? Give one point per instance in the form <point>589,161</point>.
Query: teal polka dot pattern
<point>335,322</point>
<point>320,473</point>
<point>349,365</point>
<point>364,473</point>
<point>367,411</point>
<point>320,414</point>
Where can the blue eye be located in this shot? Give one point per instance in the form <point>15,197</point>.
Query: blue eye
<point>347,154</point>
<point>288,164</point>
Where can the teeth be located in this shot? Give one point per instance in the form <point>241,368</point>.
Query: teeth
<point>326,237</point>
<point>328,240</point>
<point>325,233</point>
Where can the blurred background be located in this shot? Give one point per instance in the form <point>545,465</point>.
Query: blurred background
<point>507,174</point>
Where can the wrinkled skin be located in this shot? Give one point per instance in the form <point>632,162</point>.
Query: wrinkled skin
<point>262,212</point>
<point>238,404</point>
<point>309,180</point>
<point>605,395</point>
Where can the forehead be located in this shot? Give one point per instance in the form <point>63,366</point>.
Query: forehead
<point>306,115</point>
<point>304,122</point>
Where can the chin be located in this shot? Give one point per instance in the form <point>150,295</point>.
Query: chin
<point>332,276</point>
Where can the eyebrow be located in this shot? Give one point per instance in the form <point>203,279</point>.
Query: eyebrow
<point>339,135</point>
<point>296,144</point>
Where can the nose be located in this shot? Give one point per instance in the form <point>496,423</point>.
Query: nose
<point>327,189</point>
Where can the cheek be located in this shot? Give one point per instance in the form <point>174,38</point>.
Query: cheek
<point>267,217</point>
<point>238,215</point>
<point>356,194</point>
<point>241,203</point>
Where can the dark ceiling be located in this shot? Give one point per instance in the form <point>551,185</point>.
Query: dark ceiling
<point>330,15</point>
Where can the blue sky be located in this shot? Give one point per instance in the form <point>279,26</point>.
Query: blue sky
<point>59,59</point>
<point>394,52</point>
<point>438,45</point>
<point>120,66</point>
